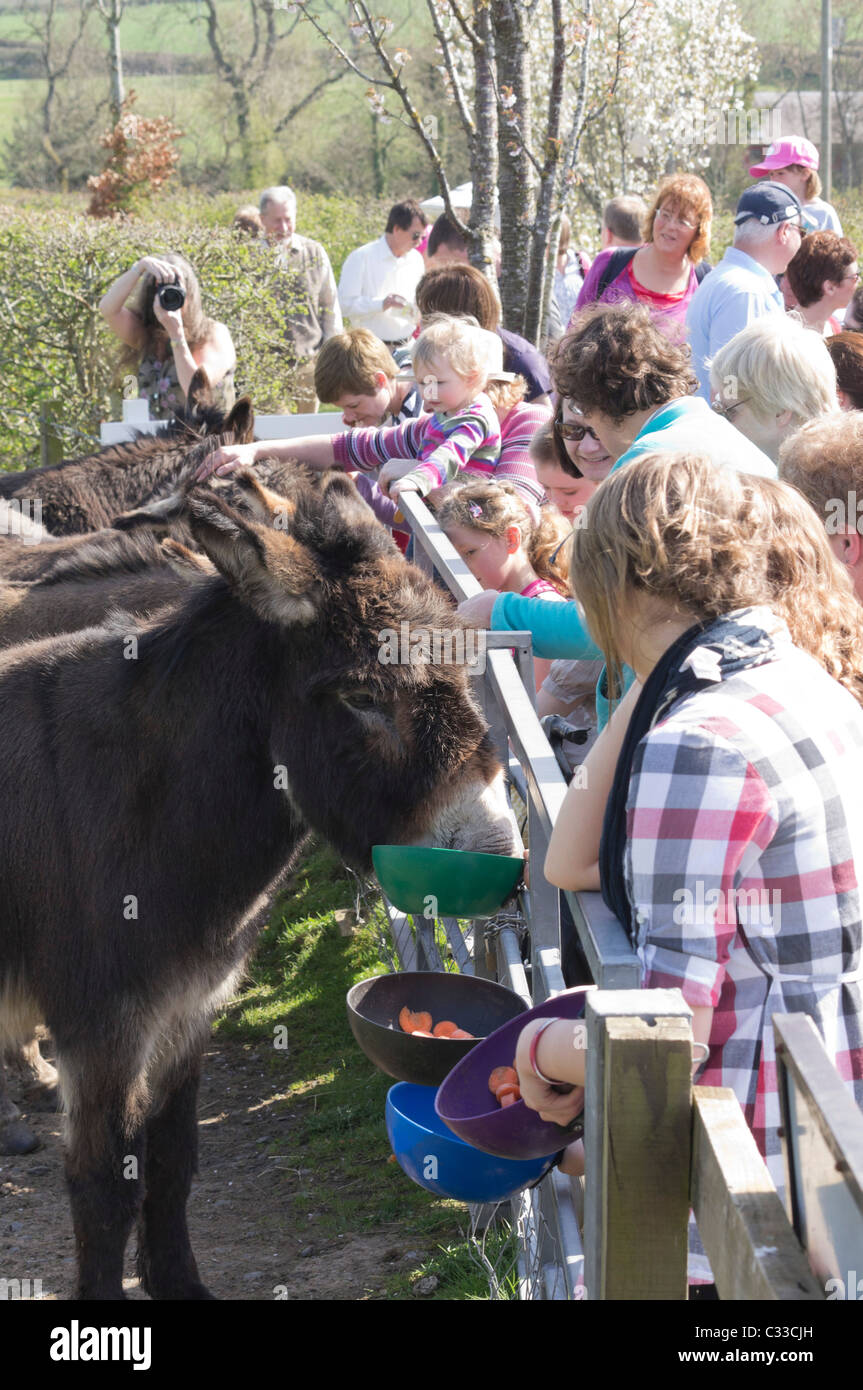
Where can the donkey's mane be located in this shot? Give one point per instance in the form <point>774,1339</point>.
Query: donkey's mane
<point>126,552</point>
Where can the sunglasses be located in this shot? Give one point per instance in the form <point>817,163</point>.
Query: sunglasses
<point>416,236</point>
<point>574,432</point>
<point>725,410</point>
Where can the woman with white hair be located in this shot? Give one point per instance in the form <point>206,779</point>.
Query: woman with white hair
<point>771,378</point>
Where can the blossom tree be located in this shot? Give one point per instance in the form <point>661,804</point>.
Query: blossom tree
<point>563,105</point>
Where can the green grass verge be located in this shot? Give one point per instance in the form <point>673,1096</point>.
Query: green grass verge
<point>298,980</point>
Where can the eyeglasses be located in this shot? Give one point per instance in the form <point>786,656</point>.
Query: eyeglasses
<point>726,410</point>
<point>575,432</point>
<point>672,221</point>
<point>853,275</point>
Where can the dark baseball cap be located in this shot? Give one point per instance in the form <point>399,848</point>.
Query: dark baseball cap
<point>768,203</point>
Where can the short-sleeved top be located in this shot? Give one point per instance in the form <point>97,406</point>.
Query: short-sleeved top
<point>159,383</point>
<point>522,357</point>
<point>743,865</point>
<point>824,215</point>
<point>542,588</point>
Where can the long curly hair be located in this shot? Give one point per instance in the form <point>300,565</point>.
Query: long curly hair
<point>198,327</point>
<point>492,507</point>
<point>709,541</point>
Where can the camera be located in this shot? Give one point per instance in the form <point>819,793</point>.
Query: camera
<point>172,297</point>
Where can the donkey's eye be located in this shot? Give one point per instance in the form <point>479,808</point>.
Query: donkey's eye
<point>360,699</point>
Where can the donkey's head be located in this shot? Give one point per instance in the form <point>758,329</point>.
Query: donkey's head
<point>201,415</point>
<point>372,716</point>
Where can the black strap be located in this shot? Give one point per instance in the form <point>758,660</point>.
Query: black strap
<point>614,266</point>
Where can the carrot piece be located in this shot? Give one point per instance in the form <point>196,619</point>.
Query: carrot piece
<point>445,1029</point>
<point>502,1076</point>
<point>507,1091</point>
<point>506,1097</point>
<point>461,1033</point>
<point>409,1022</point>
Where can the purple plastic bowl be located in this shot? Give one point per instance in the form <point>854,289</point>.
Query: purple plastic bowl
<point>467,1106</point>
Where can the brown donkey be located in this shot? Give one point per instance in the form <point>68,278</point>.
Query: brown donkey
<point>152,796</point>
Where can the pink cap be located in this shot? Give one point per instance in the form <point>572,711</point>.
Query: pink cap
<point>782,153</point>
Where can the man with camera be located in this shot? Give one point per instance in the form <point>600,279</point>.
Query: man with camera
<point>155,309</point>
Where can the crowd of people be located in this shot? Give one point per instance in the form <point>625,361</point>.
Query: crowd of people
<point>668,503</point>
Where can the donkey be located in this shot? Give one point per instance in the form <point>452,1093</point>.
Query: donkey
<point>149,807</point>
<point>80,589</point>
<point>84,494</point>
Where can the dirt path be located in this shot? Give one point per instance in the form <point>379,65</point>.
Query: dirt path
<point>248,1242</point>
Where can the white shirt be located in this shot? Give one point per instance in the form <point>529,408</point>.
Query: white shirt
<point>370,274</point>
<point>824,214</point>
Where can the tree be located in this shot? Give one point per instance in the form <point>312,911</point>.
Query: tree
<point>56,54</point>
<point>244,69</point>
<point>112,12</point>
<point>541,88</point>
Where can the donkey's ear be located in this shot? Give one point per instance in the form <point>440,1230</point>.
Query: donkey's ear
<point>199,393</point>
<point>184,561</point>
<point>158,515</point>
<point>340,493</point>
<point>240,421</point>
<point>263,503</point>
<point>272,572</point>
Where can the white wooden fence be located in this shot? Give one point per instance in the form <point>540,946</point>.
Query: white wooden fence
<point>136,418</point>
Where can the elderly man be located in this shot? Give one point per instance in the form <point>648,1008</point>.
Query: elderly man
<point>378,281</point>
<point>768,230</point>
<point>313,313</point>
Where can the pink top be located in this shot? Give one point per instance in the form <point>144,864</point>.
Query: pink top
<point>668,309</point>
<point>541,588</point>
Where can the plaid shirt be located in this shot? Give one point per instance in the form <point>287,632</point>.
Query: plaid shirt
<point>744,854</point>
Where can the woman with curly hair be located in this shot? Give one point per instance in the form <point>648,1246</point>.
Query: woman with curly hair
<point>720,815</point>
<point>166,346</point>
<point>666,270</point>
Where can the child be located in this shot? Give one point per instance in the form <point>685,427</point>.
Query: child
<point>564,484</point>
<point>503,547</point>
<point>452,358</point>
<point>355,372</point>
<point>721,816</point>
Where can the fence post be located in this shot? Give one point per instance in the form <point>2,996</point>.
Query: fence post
<point>637,1144</point>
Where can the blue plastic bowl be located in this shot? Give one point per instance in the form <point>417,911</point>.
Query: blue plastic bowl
<point>437,1160</point>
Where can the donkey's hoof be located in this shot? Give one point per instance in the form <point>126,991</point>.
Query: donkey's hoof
<point>18,1138</point>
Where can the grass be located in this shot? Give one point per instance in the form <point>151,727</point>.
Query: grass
<point>299,977</point>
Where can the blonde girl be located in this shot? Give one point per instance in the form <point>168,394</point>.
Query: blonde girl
<point>490,526</point>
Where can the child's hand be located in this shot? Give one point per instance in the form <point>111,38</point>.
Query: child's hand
<point>396,468</point>
<point>402,485</point>
<point>477,611</point>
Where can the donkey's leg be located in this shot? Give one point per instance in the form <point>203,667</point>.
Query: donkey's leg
<point>104,1169</point>
<point>166,1264</point>
<point>15,1136</point>
<point>36,1077</point>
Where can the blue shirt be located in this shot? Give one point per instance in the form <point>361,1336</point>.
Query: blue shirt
<point>690,426</point>
<point>733,295</point>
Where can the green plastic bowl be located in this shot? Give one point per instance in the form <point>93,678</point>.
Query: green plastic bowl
<point>445,882</point>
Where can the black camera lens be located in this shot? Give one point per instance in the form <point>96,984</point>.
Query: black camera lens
<point>172,297</point>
